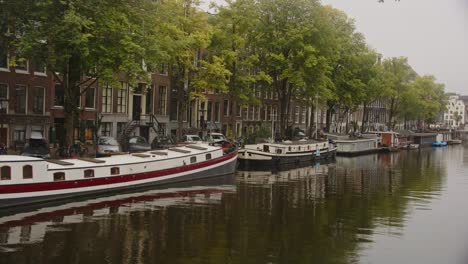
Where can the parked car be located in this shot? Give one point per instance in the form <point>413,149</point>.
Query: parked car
<point>36,147</point>
<point>190,139</point>
<point>215,137</point>
<point>138,144</point>
<point>162,142</point>
<point>107,146</point>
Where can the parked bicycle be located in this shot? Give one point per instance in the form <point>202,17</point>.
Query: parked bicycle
<point>63,152</point>
<point>78,149</point>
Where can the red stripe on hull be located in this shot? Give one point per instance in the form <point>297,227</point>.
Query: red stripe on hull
<point>50,186</point>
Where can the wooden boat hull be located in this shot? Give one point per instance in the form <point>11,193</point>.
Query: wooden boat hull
<point>16,195</point>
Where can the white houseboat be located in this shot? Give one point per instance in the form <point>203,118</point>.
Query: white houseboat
<point>354,147</point>
<point>25,180</point>
<point>285,152</point>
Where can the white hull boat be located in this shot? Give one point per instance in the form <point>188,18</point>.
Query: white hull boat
<point>26,180</point>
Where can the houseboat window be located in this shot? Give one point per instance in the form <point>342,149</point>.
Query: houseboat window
<point>193,159</point>
<point>278,151</point>
<point>299,148</point>
<point>308,147</point>
<point>89,173</point>
<point>266,148</point>
<point>115,170</point>
<point>5,173</point>
<point>289,148</point>
<point>59,176</point>
<point>208,156</point>
<point>27,172</point>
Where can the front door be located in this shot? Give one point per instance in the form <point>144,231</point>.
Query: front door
<point>144,132</point>
<point>136,107</point>
<point>3,135</point>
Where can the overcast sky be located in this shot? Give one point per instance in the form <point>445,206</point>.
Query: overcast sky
<point>433,34</point>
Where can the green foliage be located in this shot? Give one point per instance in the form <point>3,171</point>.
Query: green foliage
<point>262,133</point>
<point>424,99</point>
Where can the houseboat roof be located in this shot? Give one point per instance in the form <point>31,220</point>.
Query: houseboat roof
<point>118,160</point>
<point>16,158</point>
<point>290,143</point>
<point>356,140</point>
<point>423,134</point>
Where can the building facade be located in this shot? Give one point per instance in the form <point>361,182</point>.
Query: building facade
<point>455,114</point>
<point>24,101</point>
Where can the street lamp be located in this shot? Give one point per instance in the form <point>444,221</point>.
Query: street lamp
<point>3,112</point>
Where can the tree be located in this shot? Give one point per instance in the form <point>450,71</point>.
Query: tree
<point>192,68</point>
<point>233,42</point>
<point>284,47</point>
<point>81,42</point>
<point>424,100</point>
<point>398,75</point>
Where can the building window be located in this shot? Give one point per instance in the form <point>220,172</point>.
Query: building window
<point>27,172</point>
<point>120,127</point>
<point>238,110</point>
<point>38,100</point>
<point>122,99</point>
<point>19,135</point>
<point>22,63</point>
<point>162,100</point>
<point>40,68</point>
<point>163,69</point>
<point>3,59</point>
<point>149,101</point>
<point>296,113</point>
<point>3,95</point>
<point>107,99</point>
<point>5,173</point>
<point>88,173</point>
<point>208,156</point>
<point>174,113</point>
<point>226,107</point>
<point>59,176</point>
<point>193,159</point>
<point>304,115</point>
<point>115,170</point>
<point>89,98</point>
<point>59,98</point>
<point>106,129</point>
<point>209,112</point>
<point>216,112</point>
<point>20,99</point>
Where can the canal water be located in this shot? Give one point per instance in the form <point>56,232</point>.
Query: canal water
<point>406,207</point>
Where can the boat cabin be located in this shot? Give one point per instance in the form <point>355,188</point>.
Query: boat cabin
<point>289,147</point>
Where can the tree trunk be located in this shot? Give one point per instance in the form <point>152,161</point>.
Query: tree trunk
<point>329,114</point>
<point>365,118</point>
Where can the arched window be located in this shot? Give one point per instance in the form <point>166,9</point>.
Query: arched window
<point>88,173</point>
<point>27,172</point>
<point>5,173</point>
<point>208,156</point>
<point>193,159</point>
<point>115,170</point>
<point>59,176</point>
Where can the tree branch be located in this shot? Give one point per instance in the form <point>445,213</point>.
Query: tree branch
<point>88,86</point>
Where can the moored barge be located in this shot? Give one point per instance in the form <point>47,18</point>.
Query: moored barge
<point>26,180</point>
<point>285,153</point>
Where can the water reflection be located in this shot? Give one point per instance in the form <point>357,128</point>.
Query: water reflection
<point>321,213</point>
